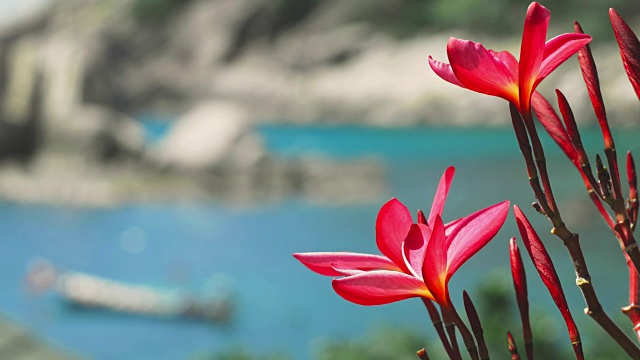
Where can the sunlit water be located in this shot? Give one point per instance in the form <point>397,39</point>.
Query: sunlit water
<point>281,306</point>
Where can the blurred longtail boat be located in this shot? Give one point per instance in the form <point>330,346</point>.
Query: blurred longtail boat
<point>92,291</point>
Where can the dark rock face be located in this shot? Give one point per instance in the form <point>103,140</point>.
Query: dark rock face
<point>268,20</point>
<point>45,66</point>
<point>20,134</point>
<point>128,63</point>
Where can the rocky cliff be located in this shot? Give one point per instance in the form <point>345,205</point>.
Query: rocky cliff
<point>73,75</point>
<point>313,61</point>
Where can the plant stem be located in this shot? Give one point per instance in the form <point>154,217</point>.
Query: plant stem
<point>525,148</point>
<point>624,219</point>
<point>467,337</point>
<point>633,309</point>
<point>451,331</point>
<point>571,241</point>
<point>623,226</point>
<point>476,326</point>
<point>594,308</point>
<point>541,162</point>
<point>438,325</point>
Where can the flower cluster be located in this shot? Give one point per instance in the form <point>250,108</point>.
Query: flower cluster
<point>419,257</point>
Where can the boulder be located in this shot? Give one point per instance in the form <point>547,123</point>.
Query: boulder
<point>211,136</point>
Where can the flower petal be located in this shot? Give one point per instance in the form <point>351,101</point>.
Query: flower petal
<point>347,272</point>
<point>552,124</point>
<point>540,257</point>
<point>451,226</point>
<point>414,248</point>
<point>629,49</point>
<point>441,195</point>
<point>326,263</point>
<point>542,261</point>
<point>519,276</point>
<point>522,298</point>
<point>380,287</point>
<point>632,180</point>
<point>481,70</point>
<point>473,233</point>
<point>558,50</point>
<point>434,268</point>
<point>444,71</point>
<point>421,218</point>
<point>476,325</point>
<point>392,226</point>
<point>508,60</point>
<point>533,40</point>
<point>591,80</point>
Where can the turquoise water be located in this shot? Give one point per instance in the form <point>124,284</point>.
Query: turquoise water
<point>393,144</point>
<point>281,306</point>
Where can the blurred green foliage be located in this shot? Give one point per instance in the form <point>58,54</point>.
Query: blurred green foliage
<point>404,18</point>
<point>384,343</point>
<point>155,10</point>
<point>293,10</point>
<point>495,301</point>
<point>499,313</point>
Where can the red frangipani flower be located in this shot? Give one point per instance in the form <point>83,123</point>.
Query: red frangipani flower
<point>418,258</point>
<point>499,74</point>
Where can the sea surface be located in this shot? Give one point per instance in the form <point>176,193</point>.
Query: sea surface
<point>280,305</point>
